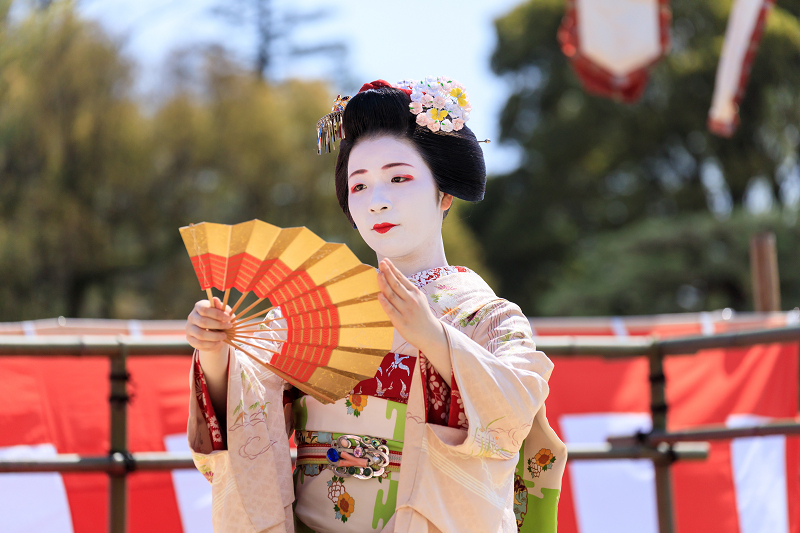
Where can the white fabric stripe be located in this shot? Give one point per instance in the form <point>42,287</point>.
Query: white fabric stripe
<point>611,495</point>
<point>706,323</point>
<point>134,328</point>
<point>33,502</point>
<point>793,317</point>
<point>467,481</point>
<point>759,477</point>
<point>618,327</point>
<point>192,491</point>
<point>29,328</point>
<point>222,496</point>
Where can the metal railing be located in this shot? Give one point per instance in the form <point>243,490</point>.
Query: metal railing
<point>660,446</point>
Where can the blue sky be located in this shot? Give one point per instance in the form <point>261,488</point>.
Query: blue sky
<point>389,40</point>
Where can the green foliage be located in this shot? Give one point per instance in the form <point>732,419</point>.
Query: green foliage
<point>93,188</point>
<point>460,245</point>
<point>697,263</point>
<point>592,165</point>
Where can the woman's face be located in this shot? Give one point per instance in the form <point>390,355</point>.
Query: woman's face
<point>393,197</point>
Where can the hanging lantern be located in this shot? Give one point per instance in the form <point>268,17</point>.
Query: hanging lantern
<point>745,27</point>
<point>612,43</point>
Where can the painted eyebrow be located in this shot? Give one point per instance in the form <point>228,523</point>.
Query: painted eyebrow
<point>384,167</point>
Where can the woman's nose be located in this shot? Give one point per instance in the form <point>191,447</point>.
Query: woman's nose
<point>379,203</point>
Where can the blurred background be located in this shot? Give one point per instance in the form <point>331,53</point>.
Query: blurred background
<point>121,121</point>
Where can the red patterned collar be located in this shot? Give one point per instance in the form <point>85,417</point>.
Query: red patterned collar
<point>420,279</point>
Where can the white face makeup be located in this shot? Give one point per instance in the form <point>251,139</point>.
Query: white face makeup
<point>394,200</point>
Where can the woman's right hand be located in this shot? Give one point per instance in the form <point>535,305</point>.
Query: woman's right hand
<point>204,325</point>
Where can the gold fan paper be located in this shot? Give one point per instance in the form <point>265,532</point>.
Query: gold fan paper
<point>336,331</point>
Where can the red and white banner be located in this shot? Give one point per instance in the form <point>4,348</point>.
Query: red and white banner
<point>612,43</point>
<point>745,27</point>
<point>60,405</point>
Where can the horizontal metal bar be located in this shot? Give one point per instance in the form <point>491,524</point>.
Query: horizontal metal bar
<point>613,347</point>
<point>154,461</point>
<point>791,428</point>
<point>705,434</point>
<point>92,345</point>
<point>691,451</point>
<point>610,347</point>
<point>114,464</point>
<point>688,345</point>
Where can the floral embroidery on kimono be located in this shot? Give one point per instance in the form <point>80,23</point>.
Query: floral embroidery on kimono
<point>343,503</point>
<point>356,402</point>
<point>541,462</point>
<point>426,276</point>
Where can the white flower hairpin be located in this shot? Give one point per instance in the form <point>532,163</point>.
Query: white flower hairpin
<point>438,103</point>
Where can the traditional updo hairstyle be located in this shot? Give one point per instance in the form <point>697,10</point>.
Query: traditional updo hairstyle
<point>455,158</point>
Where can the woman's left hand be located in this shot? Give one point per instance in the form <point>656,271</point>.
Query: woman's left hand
<point>408,309</point>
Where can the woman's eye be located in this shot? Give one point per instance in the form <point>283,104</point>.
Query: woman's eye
<point>400,179</point>
<point>357,187</point>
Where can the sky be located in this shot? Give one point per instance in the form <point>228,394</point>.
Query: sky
<point>385,40</point>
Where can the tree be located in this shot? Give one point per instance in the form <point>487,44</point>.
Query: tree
<point>274,30</point>
<point>699,263</point>
<point>93,189</point>
<point>592,165</point>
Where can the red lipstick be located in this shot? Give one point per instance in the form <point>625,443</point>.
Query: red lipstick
<point>383,227</point>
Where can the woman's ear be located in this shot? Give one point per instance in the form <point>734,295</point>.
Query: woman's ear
<point>446,202</point>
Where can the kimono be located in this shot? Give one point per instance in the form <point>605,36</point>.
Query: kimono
<point>473,452</point>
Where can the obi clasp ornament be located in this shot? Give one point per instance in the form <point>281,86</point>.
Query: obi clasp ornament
<point>374,450</point>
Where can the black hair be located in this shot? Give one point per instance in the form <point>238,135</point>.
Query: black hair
<point>455,158</point>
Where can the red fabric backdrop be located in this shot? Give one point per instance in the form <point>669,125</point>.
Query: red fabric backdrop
<point>64,401</point>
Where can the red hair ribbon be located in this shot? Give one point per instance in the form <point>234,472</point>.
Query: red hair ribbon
<point>378,84</point>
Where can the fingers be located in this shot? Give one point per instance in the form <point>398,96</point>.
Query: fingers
<point>388,308</point>
<point>202,339</point>
<point>402,280</point>
<point>391,275</point>
<point>204,334</point>
<point>386,290</point>
<point>207,323</point>
<point>204,309</point>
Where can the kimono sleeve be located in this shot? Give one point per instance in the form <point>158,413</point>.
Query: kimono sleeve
<point>251,480</point>
<point>501,380</point>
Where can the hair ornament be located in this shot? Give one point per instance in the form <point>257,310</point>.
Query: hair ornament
<point>439,103</point>
<point>329,127</point>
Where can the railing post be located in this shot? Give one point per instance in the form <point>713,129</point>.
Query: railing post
<point>764,273</point>
<point>658,408</point>
<point>117,480</point>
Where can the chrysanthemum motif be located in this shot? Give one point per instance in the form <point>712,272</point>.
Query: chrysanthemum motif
<point>344,507</point>
<point>544,458</point>
<point>541,462</point>
<point>439,103</point>
<point>355,403</point>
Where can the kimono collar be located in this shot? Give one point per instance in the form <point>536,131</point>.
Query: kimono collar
<point>420,279</point>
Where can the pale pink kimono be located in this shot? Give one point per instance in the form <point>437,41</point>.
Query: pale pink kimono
<point>452,480</point>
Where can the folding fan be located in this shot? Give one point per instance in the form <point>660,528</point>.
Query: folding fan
<point>336,331</point>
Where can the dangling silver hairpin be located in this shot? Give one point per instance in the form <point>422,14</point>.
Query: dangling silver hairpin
<point>329,127</point>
